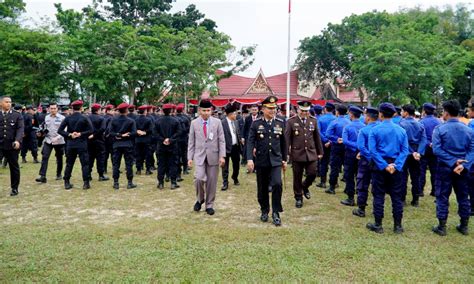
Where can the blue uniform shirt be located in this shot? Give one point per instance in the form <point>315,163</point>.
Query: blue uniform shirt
<point>416,135</point>
<point>429,122</point>
<point>471,124</point>
<point>323,123</point>
<point>397,119</point>
<point>454,141</point>
<point>335,128</point>
<point>350,133</point>
<point>363,140</point>
<point>388,140</point>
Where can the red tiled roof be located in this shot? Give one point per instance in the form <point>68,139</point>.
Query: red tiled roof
<point>278,83</point>
<point>317,94</point>
<point>350,96</point>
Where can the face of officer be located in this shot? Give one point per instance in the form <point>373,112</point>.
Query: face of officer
<point>254,110</point>
<point>6,103</point>
<point>269,113</point>
<point>205,113</point>
<point>53,109</point>
<point>303,113</point>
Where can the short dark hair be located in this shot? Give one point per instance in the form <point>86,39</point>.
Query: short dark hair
<point>428,111</point>
<point>122,110</point>
<point>53,104</point>
<point>76,107</point>
<point>141,111</point>
<point>167,111</point>
<point>453,107</point>
<point>387,114</point>
<point>410,109</point>
<point>371,115</point>
<point>329,108</point>
<point>341,109</point>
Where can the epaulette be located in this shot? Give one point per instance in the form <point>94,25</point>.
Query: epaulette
<point>259,118</point>
<point>279,119</point>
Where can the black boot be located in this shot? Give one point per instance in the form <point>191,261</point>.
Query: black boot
<point>14,192</point>
<point>360,212</point>
<point>225,186</point>
<point>174,185</point>
<point>441,228</point>
<point>35,161</point>
<point>299,203</point>
<point>103,178</point>
<point>41,179</point>
<point>161,185</point>
<point>116,185</point>
<point>321,185</point>
<point>131,185</point>
<point>167,179</point>
<point>179,179</point>
<point>306,193</point>
<point>264,217</point>
<point>397,227</point>
<point>86,185</point>
<point>23,160</point>
<point>67,184</point>
<point>462,228</point>
<point>348,202</point>
<point>376,227</point>
<point>276,219</point>
<point>415,202</point>
<point>331,190</point>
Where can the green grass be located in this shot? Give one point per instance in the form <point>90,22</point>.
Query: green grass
<point>52,235</point>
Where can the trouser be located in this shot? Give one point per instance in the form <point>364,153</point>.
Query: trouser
<point>30,143</point>
<point>300,185</point>
<point>205,181</point>
<point>183,157</point>
<point>446,181</point>
<point>269,179</point>
<point>97,154</point>
<point>109,150</point>
<point>411,167</point>
<point>244,155</point>
<point>143,156</point>
<point>428,160</point>
<point>167,164</point>
<point>391,184</point>
<point>127,153</point>
<point>46,152</point>
<point>471,188</point>
<point>234,155</point>
<point>350,171</point>
<point>337,159</point>
<point>323,169</point>
<point>153,151</point>
<point>11,157</point>
<point>364,176</point>
<point>71,155</point>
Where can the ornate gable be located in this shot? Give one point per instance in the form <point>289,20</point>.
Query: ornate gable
<point>259,85</point>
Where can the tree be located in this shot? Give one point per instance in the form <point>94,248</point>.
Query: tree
<point>11,8</point>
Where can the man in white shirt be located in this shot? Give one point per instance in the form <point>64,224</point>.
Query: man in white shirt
<point>232,145</point>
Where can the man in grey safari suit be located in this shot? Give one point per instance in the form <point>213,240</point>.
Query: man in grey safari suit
<point>206,147</point>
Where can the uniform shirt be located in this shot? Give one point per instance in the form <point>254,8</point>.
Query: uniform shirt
<point>363,140</point>
<point>144,123</point>
<point>76,122</point>
<point>268,139</point>
<point>11,129</point>
<point>397,119</point>
<point>100,125</point>
<point>454,141</point>
<point>168,127</point>
<point>471,124</point>
<point>185,124</point>
<point>429,122</point>
<point>52,124</point>
<point>323,123</point>
<point>303,139</point>
<point>233,130</point>
<point>28,122</point>
<point>350,133</point>
<point>119,125</point>
<point>335,129</point>
<point>388,140</point>
<point>416,135</point>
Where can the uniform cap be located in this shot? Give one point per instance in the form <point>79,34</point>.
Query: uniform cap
<point>356,110</point>
<point>96,106</point>
<point>304,105</point>
<point>429,106</point>
<point>270,102</point>
<point>123,106</point>
<point>387,108</point>
<point>205,104</point>
<point>77,103</point>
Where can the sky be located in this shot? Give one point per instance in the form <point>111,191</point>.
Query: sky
<point>264,22</point>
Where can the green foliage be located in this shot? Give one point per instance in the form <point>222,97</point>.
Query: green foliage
<point>11,8</point>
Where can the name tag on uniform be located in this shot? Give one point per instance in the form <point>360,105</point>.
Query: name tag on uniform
<point>211,136</point>
<point>277,130</point>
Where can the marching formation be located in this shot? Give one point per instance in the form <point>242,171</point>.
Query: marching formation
<point>383,148</point>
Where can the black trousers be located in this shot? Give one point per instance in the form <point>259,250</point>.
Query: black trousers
<point>183,157</point>
<point>167,164</point>
<point>71,155</point>
<point>324,164</point>
<point>97,154</point>
<point>337,159</point>
<point>46,152</point>
<point>30,143</point>
<point>269,179</point>
<point>234,155</point>
<point>144,156</point>
<point>411,167</point>
<point>109,150</point>
<point>127,153</point>
<point>11,156</point>
<point>299,186</point>
<point>428,161</point>
<point>391,184</point>
<point>350,172</point>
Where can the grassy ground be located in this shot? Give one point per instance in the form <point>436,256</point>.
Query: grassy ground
<point>52,235</point>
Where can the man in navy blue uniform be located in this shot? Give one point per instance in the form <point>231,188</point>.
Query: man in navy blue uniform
<point>11,136</point>
<point>453,144</point>
<point>428,160</point>
<point>76,128</point>
<point>97,143</point>
<point>183,138</point>
<point>471,172</point>
<point>349,139</point>
<point>30,141</point>
<point>334,135</point>
<point>364,171</point>
<point>416,146</point>
<point>145,128</point>
<point>388,145</point>
<point>109,141</point>
<point>323,124</point>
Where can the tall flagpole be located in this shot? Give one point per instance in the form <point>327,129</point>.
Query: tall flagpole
<point>288,104</point>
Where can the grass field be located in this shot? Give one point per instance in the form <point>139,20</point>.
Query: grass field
<point>52,235</point>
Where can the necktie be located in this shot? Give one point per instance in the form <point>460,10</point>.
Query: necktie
<point>204,128</point>
<point>304,121</point>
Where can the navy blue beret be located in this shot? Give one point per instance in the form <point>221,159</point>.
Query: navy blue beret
<point>387,108</point>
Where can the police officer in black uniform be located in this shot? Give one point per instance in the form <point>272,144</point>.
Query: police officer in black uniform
<point>97,143</point>
<point>183,137</point>
<point>30,141</point>
<point>76,128</point>
<point>123,129</point>
<point>109,141</point>
<point>145,128</point>
<point>11,136</point>
<point>266,142</point>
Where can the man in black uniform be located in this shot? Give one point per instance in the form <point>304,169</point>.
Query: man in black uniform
<point>96,143</point>
<point>109,141</point>
<point>123,129</point>
<point>167,129</point>
<point>142,141</point>
<point>153,144</point>
<point>185,122</point>
<point>30,142</point>
<point>76,128</point>
<point>11,136</point>
<point>40,117</point>
<point>266,141</point>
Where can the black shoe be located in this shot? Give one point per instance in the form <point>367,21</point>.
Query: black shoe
<point>321,185</point>
<point>35,161</point>
<point>60,177</point>
<point>179,179</point>
<point>299,203</point>
<point>264,217</point>
<point>131,185</point>
<point>224,187</point>
<point>23,160</point>
<point>138,173</point>
<point>359,212</point>
<point>186,172</point>
<point>375,227</point>
<point>14,192</point>
<point>160,185</point>
<point>210,211</point>
<point>463,227</point>
<point>441,228</point>
<point>86,185</point>
<point>167,179</point>
<point>67,185</point>
<point>276,219</point>
<point>116,185</point>
<point>148,173</point>
<point>415,203</point>
<point>236,182</point>
<point>307,194</point>
<point>398,229</point>
<point>104,178</point>
<point>41,179</point>
<point>348,202</point>
<point>174,185</point>
<point>422,194</point>
<point>197,206</point>
<point>330,190</point>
